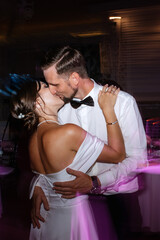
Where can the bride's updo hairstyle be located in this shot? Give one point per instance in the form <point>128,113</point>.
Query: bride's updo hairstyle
<point>23,104</point>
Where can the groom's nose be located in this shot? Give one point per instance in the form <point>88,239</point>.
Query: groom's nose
<point>52,89</point>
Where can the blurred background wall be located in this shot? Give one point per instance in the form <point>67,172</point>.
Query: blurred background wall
<point>124,49</point>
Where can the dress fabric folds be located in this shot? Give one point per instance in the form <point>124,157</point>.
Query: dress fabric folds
<point>69,219</point>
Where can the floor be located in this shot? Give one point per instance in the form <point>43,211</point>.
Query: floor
<point>15,222</point>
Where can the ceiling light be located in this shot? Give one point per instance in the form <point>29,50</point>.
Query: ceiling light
<point>113,18</point>
<point>88,34</point>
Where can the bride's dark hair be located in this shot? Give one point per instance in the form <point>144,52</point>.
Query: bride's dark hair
<point>23,104</point>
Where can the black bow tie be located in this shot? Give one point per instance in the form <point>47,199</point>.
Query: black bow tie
<point>87,101</point>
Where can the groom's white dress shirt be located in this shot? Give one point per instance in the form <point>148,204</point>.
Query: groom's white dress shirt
<point>121,177</point>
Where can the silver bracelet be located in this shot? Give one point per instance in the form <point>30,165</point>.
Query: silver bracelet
<point>112,123</point>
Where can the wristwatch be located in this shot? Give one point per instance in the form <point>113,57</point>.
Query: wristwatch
<point>96,189</point>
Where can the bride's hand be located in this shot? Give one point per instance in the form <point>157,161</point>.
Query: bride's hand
<point>107,97</point>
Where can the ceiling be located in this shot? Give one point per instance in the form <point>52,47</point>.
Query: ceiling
<point>32,20</point>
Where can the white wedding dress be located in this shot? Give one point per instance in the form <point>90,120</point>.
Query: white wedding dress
<point>68,219</point>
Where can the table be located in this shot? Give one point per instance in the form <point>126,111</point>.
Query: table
<point>4,171</point>
<point>149,197</point>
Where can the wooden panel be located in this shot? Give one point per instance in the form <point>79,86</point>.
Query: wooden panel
<point>139,53</point>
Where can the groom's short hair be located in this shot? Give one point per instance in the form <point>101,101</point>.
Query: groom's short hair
<point>66,60</point>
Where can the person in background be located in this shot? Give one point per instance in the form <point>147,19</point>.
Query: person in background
<point>66,74</point>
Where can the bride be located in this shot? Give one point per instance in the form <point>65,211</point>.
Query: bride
<point>54,147</point>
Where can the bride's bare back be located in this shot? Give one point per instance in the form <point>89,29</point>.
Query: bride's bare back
<point>53,147</point>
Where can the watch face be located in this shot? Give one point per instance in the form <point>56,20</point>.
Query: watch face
<point>95,190</point>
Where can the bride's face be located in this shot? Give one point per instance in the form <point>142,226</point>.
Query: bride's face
<point>50,100</point>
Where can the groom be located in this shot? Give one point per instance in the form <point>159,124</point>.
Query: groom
<point>67,77</point>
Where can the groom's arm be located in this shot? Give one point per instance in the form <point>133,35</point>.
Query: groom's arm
<point>69,189</point>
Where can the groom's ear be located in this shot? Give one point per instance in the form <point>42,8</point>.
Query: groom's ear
<point>74,79</point>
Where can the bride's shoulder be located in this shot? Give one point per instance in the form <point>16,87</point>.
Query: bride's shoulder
<point>69,135</point>
<point>71,128</point>
<point>73,131</point>
<point>64,130</point>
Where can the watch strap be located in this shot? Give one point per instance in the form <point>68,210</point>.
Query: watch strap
<point>95,186</point>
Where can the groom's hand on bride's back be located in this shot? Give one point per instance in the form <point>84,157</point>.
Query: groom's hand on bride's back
<point>69,189</point>
<point>38,199</point>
